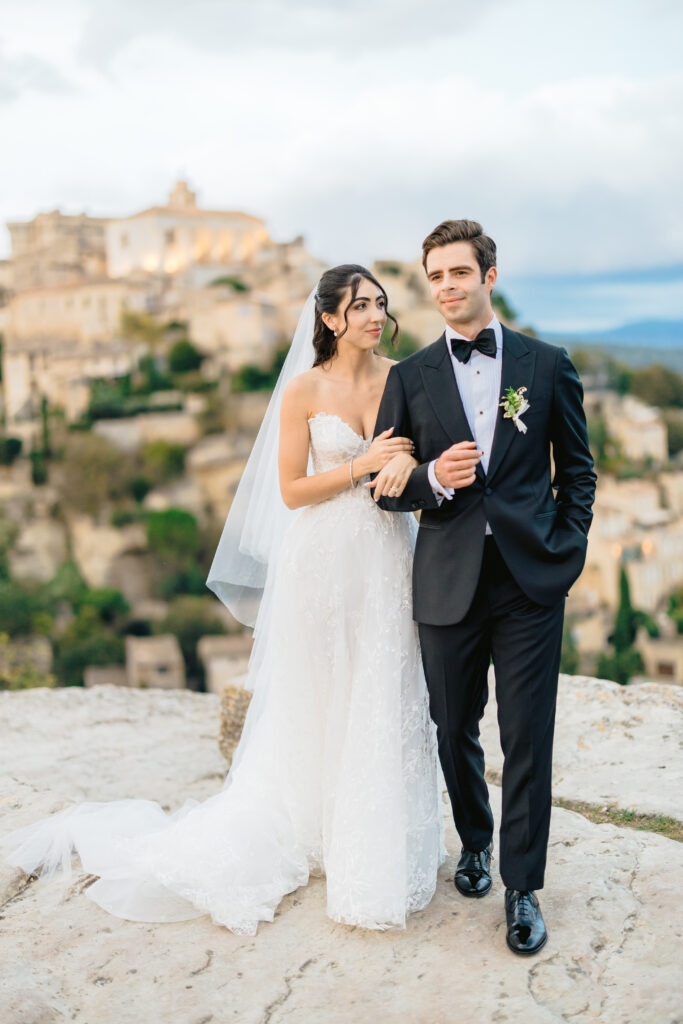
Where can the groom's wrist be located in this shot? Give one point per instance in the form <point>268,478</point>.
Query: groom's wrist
<point>439,489</point>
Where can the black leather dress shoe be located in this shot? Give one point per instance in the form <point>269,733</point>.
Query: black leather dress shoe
<point>473,873</point>
<point>526,928</point>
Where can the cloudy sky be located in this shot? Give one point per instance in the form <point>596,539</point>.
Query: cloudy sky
<point>361,125</point>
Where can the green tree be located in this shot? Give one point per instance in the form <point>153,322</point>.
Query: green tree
<point>10,449</point>
<point>85,641</point>
<point>673,419</point>
<point>404,345</point>
<point>162,461</point>
<point>233,282</point>
<point>139,488</point>
<point>39,472</point>
<point>625,625</point>
<point>94,472</point>
<point>45,426</point>
<point>503,307</point>
<point>626,660</point>
<point>251,378</point>
<point>184,357</point>
<point>9,531</point>
<point>66,587</point>
<point>659,386</point>
<point>620,668</point>
<point>173,535</point>
<point>149,377</point>
<point>109,604</point>
<point>598,438</point>
<point>18,605</point>
<point>619,377</point>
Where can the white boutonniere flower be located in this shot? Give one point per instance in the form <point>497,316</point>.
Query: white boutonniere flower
<point>514,405</point>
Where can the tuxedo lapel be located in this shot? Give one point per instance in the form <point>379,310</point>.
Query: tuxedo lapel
<point>443,393</point>
<point>517,371</point>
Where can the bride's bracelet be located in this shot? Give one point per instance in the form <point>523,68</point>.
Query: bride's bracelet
<point>353,485</point>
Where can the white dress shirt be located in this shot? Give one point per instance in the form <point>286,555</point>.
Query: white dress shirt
<point>478,382</point>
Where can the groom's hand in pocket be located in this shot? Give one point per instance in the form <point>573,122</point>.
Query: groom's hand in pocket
<point>456,467</point>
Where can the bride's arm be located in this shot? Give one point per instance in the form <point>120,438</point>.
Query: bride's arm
<point>299,489</point>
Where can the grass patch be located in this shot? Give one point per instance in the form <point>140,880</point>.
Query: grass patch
<point>668,827</point>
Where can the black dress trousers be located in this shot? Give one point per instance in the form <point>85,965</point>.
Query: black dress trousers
<point>524,640</point>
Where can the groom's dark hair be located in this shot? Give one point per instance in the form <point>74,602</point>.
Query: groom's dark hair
<point>462,231</point>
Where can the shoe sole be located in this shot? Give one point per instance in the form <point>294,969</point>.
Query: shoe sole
<point>527,952</point>
<point>474,895</point>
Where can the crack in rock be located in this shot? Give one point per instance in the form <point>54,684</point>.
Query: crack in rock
<point>200,970</point>
<point>289,979</point>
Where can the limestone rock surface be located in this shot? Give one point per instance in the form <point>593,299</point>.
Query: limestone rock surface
<point>614,745</point>
<point>612,904</point>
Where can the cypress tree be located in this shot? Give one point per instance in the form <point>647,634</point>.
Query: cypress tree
<point>625,625</point>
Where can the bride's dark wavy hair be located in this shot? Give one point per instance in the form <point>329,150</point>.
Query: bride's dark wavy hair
<point>329,294</point>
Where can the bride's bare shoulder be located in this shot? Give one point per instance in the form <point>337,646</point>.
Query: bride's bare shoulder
<point>301,390</point>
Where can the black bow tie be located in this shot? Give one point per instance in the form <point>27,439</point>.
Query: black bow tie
<point>485,342</point>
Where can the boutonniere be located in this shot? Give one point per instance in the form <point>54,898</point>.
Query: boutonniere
<point>514,405</point>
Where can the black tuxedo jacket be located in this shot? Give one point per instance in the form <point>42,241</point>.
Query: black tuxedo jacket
<point>541,534</point>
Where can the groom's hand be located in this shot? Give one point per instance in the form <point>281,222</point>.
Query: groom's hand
<point>456,467</point>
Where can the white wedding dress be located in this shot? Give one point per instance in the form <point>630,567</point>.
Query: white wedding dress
<point>336,772</point>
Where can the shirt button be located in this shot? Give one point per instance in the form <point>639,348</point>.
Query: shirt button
<point>481,412</point>
<point>478,372</point>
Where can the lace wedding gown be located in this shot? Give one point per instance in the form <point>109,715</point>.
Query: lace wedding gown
<point>336,772</point>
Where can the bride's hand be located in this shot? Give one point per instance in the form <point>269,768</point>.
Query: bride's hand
<point>392,479</point>
<point>382,450</point>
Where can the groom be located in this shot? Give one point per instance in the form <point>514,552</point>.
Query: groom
<point>500,543</point>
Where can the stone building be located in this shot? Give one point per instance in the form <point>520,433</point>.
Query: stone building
<point>180,237</point>
<point>663,657</point>
<point>630,527</point>
<point>55,249</point>
<point>638,428</point>
<point>155,661</point>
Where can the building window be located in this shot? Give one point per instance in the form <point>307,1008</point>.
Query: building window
<point>124,241</point>
<point>169,236</point>
<point>666,669</point>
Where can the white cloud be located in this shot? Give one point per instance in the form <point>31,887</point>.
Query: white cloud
<point>230,26</point>
<point>558,132</point>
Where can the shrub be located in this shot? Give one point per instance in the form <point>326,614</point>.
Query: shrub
<point>86,641</point>
<point>232,282</point>
<point>173,535</point>
<point>620,667</point>
<point>38,468</point>
<point>162,461</point>
<point>139,488</point>
<point>657,385</point>
<point>17,673</point>
<point>110,604</point>
<point>17,607</point>
<point>251,378</point>
<point>94,472</point>
<point>187,581</point>
<point>184,357</point>
<point>10,449</point>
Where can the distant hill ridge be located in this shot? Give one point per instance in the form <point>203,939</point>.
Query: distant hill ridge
<point>661,334</point>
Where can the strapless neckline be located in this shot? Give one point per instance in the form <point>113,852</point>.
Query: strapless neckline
<point>334,416</point>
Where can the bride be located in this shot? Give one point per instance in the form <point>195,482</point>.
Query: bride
<point>336,770</point>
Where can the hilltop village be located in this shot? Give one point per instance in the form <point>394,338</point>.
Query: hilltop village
<point>138,355</point>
